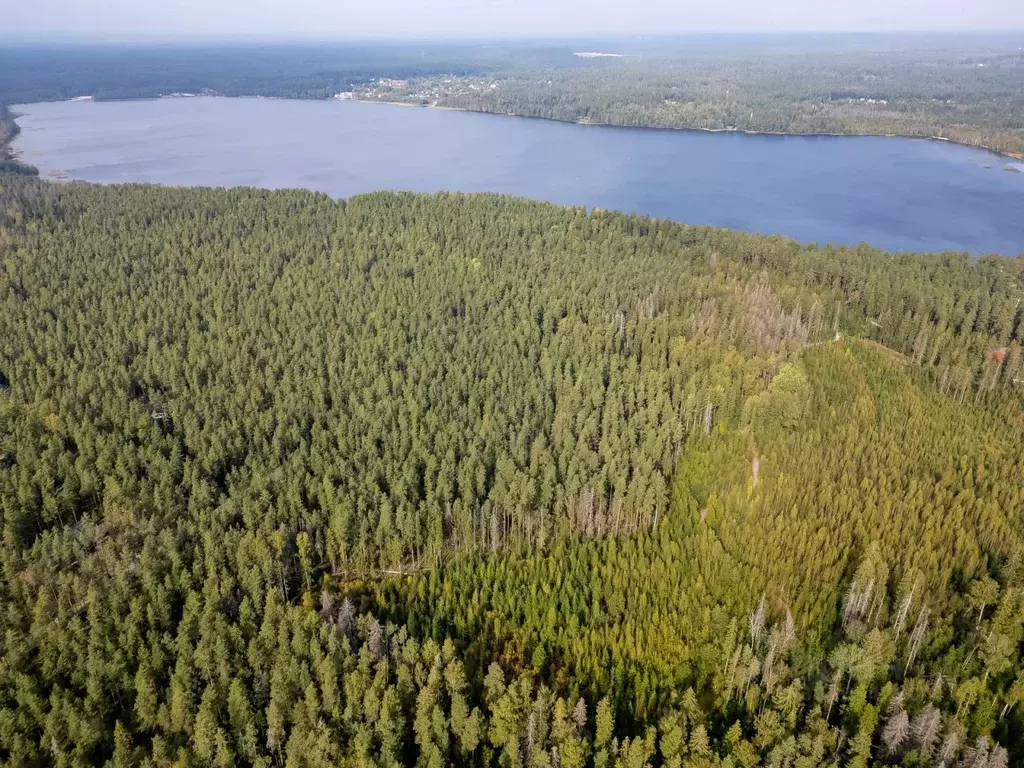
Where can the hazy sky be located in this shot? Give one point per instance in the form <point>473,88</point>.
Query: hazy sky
<point>391,18</point>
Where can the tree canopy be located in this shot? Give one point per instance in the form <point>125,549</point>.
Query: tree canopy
<point>473,480</point>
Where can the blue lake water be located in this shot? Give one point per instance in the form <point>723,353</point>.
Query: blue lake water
<point>899,194</point>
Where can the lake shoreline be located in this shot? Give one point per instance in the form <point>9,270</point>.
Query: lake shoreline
<point>1015,156</point>
<point>897,195</point>
<point>11,160</point>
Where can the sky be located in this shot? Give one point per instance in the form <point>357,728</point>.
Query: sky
<point>334,19</point>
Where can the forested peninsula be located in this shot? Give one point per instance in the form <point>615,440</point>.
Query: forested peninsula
<point>478,481</point>
<point>8,131</point>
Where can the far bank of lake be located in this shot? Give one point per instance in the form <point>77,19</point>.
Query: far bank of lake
<point>1012,156</point>
<point>899,194</point>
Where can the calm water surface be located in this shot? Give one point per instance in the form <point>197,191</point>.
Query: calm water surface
<point>899,194</point>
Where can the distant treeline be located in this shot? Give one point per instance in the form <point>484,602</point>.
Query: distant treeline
<point>312,71</point>
<point>966,88</point>
<point>975,99</point>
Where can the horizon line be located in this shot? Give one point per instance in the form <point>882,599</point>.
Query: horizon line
<point>131,38</point>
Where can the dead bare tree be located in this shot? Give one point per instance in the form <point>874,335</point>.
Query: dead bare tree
<point>916,638</point>
<point>757,619</point>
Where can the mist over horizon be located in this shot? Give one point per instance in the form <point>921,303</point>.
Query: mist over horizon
<point>32,38</point>
<point>320,20</point>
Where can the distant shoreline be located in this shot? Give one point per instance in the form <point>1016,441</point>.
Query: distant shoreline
<point>816,190</point>
<point>1014,156</point>
<point>1018,157</point>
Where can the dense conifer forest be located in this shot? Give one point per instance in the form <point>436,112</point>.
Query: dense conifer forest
<point>472,480</point>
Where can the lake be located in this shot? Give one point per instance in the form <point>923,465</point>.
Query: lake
<point>899,194</point>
